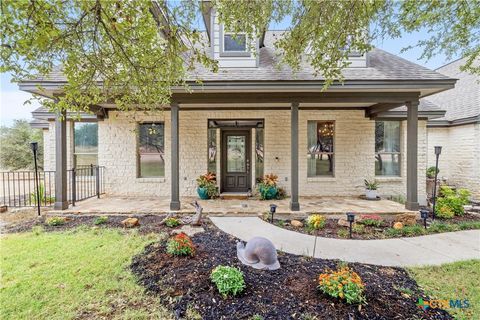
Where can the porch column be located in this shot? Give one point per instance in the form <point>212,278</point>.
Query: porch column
<point>175,175</point>
<point>294,204</point>
<point>412,150</point>
<point>61,198</point>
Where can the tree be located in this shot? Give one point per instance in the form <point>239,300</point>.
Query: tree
<point>16,152</point>
<point>133,52</point>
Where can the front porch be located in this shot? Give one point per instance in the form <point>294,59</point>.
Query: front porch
<point>158,205</point>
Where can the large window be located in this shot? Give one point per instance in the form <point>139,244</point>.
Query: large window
<point>233,43</point>
<point>151,150</point>
<point>321,154</point>
<point>85,136</point>
<point>387,148</point>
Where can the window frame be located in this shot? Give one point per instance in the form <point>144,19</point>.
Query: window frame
<point>332,175</point>
<point>224,53</point>
<point>138,154</point>
<point>75,153</point>
<point>399,153</point>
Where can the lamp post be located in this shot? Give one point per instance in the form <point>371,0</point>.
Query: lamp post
<point>438,151</point>
<point>350,219</point>
<point>34,146</point>
<point>273,209</point>
<point>424,216</point>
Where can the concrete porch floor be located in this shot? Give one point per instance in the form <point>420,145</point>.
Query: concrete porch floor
<point>151,205</point>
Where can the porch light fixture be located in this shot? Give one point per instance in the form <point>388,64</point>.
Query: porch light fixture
<point>350,219</point>
<point>424,216</point>
<point>34,146</point>
<point>438,151</point>
<point>273,209</point>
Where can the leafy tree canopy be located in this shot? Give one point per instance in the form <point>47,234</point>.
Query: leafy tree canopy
<point>15,151</point>
<point>140,49</point>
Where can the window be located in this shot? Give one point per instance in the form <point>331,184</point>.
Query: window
<point>151,150</point>
<point>387,148</point>
<point>85,136</point>
<point>234,44</point>
<point>320,148</point>
<point>212,150</point>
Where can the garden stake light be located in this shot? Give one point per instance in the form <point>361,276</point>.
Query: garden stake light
<point>438,151</point>
<point>350,219</point>
<point>273,209</point>
<point>34,146</point>
<point>424,215</point>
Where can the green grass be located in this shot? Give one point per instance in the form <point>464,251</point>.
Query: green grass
<point>81,273</point>
<point>459,280</point>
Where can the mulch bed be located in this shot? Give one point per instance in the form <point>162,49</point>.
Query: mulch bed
<point>331,227</point>
<point>148,224</point>
<point>288,293</point>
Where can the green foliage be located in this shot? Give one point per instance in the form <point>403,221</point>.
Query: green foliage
<point>257,317</point>
<point>358,228</point>
<point>180,245</point>
<point>397,198</point>
<point>431,172</point>
<point>55,221</point>
<point>344,284</point>
<point>44,199</point>
<point>172,222</point>
<point>371,220</point>
<point>451,202</point>
<point>406,231</point>
<point>371,185</point>
<point>316,222</point>
<point>209,182</point>
<point>229,280</point>
<point>280,223</point>
<point>100,220</point>
<point>15,150</point>
<point>342,233</point>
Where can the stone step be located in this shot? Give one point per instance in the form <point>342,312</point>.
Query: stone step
<point>234,195</point>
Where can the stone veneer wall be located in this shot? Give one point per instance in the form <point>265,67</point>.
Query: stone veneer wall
<point>459,162</point>
<point>354,152</point>
<point>49,146</point>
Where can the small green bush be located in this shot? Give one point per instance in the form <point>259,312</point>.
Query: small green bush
<point>451,201</point>
<point>342,233</point>
<point>100,220</point>
<point>391,232</point>
<point>229,280</point>
<point>56,221</point>
<point>358,228</point>
<point>415,230</point>
<point>469,225</point>
<point>438,227</point>
<point>172,222</point>
<point>181,245</point>
<point>431,172</point>
<point>372,220</point>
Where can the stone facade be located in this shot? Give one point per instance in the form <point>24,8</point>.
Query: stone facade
<point>49,146</point>
<point>459,162</point>
<point>354,152</point>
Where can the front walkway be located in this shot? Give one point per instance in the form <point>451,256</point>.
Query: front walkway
<point>324,205</point>
<point>425,250</point>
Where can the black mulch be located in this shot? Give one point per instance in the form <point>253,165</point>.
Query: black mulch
<point>288,293</point>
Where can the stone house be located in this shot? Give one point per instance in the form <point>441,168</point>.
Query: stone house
<point>254,118</point>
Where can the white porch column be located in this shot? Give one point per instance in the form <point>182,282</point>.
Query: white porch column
<point>412,150</point>
<point>61,197</point>
<point>175,174</point>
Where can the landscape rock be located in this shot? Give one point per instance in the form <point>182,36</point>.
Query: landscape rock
<point>408,219</point>
<point>188,230</point>
<point>296,223</point>
<point>343,222</point>
<point>398,225</point>
<point>130,222</point>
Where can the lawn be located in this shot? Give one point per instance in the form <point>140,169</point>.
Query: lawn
<point>82,273</point>
<point>459,280</point>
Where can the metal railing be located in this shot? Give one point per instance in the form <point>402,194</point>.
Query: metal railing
<point>18,187</point>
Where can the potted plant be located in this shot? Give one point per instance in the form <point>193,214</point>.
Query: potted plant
<point>268,187</point>
<point>431,180</point>
<point>207,186</point>
<point>371,189</point>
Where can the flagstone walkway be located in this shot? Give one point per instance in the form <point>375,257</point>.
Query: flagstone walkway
<point>424,250</point>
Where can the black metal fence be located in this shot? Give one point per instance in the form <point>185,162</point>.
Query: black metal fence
<point>18,187</point>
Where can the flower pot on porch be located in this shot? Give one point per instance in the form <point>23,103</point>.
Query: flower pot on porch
<point>371,194</point>
<point>202,193</point>
<point>268,193</point>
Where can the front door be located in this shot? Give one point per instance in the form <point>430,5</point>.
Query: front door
<point>235,160</point>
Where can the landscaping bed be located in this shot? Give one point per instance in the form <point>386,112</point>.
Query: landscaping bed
<point>385,230</point>
<point>183,285</point>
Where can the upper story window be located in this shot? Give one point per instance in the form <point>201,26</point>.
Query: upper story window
<point>85,136</point>
<point>234,44</point>
<point>387,148</point>
<point>321,151</point>
<point>151,150</point>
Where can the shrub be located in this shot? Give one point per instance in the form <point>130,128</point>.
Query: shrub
<point>342,233</point>
<point>344,284</point>
<point>316,221</point>
<point>469,225</point>
<point>209,182</point>
<point>431,172</point>
<point>438,227</point>
<point>358,228</point>
<point>56,221</point>
<point>415,230</point>
<point>452,200</point>
<point>172,222</point>
<point>371,185</point>
<point>181,245</point>
<point>100,220</point>
<point>373,220</point>
<point>229,280</point>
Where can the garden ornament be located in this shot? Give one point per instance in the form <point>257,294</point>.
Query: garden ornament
<point>259,253</point>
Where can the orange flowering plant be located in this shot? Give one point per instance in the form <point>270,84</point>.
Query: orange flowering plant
<point>344,284</point>
<point>181,245</point>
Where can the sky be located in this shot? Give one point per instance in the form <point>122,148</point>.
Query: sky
<point>12,99</point>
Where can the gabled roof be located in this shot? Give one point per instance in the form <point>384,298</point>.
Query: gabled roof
<point>462,102</point>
